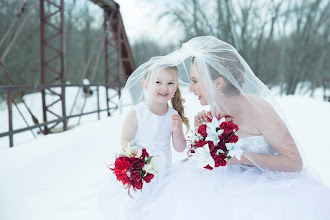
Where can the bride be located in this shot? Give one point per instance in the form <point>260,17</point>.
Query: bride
<point>269,181</point>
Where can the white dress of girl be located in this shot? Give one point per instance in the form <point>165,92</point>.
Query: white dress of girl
<point>153,133</point>
<point>237,192</point>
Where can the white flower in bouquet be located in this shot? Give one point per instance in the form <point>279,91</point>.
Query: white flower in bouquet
<point>151,166</point>
<point>132,151</point>
<point>211,130</point>
<point>203,157</point>
<point>234,150</point>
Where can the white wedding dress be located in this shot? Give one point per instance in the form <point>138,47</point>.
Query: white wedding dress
<point>153,133</point>
<point>236,192</point>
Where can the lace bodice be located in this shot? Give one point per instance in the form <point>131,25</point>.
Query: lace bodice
<point>256,144</point>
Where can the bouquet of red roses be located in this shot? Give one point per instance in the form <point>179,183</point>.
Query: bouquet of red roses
<point>214,143</point>
<point>133,167</point>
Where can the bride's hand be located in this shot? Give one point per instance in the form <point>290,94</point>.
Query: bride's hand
<point>202,118</point>
<point>233,161</point>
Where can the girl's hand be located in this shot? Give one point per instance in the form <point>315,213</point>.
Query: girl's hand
<point>202,118</point>
<point>176,123</point>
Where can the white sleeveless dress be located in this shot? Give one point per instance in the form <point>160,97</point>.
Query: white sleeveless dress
<point>153,133</point>
<point>236,192</point>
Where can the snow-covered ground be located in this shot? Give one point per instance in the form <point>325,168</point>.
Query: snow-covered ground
<point>58,176</point>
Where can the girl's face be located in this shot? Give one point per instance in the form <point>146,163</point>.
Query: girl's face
<point>195,87</point>
<point>164,85</point>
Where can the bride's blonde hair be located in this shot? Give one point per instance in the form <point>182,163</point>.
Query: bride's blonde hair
<point>232,63</point>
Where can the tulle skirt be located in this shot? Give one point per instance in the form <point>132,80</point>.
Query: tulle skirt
<point>232,192</point>
<point>119,203</point>
<point>235,192</point>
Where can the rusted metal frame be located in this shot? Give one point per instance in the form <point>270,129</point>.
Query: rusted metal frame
<point>16,35</point>
<point>63,65</point>
<point>52,3</point>
<point>19,111</point>
<point>50,129</point>
<point>53,48</point>
<point>52,59</point>
<point>50,15</point>
<point>116,36</point>
<point>113,59</point>
<point>128,48</point>
<point>6,88</point>
<point>106,70</point>
<point>34,119</point>
<point>53,36</point>
<point>53,92</point>
<point>7,72</point>
<point>53,80</point>
<point>10,117</point>
<point>18,15</point>
<point>106,4</point>
<point>53,103</point>
<point>53,113</point>
<point>51,25</point>
<point>45,42</point>
<point>53,70</point>
<point>42,62</point>
<point>113,101</point>
<point>4,134</point>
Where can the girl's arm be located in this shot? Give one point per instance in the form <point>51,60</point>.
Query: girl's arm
<point>179,141</point>
<point>129,128</point>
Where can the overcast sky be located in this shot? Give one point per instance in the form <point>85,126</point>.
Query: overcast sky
<point>141,20</point>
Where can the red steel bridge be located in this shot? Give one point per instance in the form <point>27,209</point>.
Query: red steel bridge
<point>118,60</point>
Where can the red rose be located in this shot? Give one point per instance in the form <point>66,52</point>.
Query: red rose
<point>148,177</point>
<point>210,143</point>
<point>220,160</point>
<point>223,163</point>
<point>137,184</point>
<point>228,126</point>
<point>144,153</point>
<point>122,163</point>
<point>125,180</point>
<point>222,146</point>
<point>121,167</point>
<point>208,167</point>
<point>138,164</point>
<point>132,159</point>
<point>202,130</point>
<point>200,143</point>
<point>135,175</point>
<point>213,150</point>
<point>232,139</point>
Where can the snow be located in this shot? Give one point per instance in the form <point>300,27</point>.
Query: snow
<point>58,176</point>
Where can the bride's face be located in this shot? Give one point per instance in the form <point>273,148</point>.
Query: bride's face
<point>195,87</point>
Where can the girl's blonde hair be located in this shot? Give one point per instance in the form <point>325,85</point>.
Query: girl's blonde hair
<point>177,101</point>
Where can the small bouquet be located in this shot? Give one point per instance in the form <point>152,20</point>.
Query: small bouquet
<point>133,167</point>
<point>214,143</point>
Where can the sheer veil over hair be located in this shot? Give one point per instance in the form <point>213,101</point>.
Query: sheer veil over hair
<point>228,85</point>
